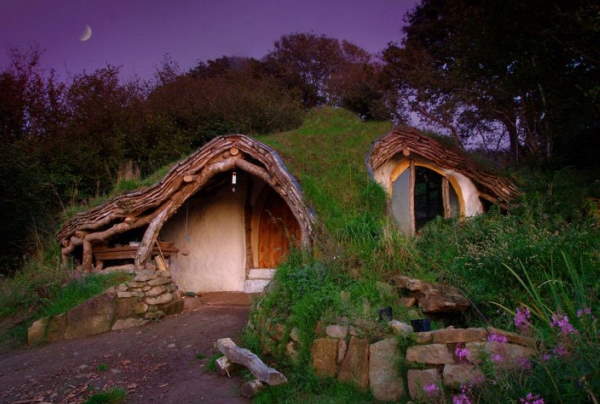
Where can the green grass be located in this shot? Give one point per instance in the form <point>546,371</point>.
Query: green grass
<point>113,396</point>
<point>548,235</point>
<point>103,367</point>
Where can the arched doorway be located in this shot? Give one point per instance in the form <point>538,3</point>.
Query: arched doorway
<point>278,230</point>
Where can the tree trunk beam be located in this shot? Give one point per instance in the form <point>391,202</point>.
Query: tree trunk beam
<point>249,360</point>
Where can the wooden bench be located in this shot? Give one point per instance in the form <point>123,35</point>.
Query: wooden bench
<point>104,253</point>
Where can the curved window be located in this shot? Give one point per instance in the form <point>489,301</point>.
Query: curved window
<point>419,195</point>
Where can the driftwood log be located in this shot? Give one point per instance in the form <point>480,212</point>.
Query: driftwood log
<point>408,141</point>
<point>151,207</point>
<point>246,358</point>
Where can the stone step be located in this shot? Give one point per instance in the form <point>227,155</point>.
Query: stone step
<point>261,273</point>
<point>255,285</point>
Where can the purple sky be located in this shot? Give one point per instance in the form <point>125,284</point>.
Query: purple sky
<point>136,34</point>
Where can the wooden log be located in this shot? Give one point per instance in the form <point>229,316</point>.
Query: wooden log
<point>246,358</point>
<point>251,388</point>
<point>189,178</point>
<point>150,236</point>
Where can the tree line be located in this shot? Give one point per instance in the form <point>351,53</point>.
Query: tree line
<point>521,75</point>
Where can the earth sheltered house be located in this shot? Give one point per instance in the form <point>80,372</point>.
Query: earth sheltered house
<point>222,220</point>
<point>425,179</point>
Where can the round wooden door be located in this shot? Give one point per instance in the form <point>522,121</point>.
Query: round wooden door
<point>278,229</point>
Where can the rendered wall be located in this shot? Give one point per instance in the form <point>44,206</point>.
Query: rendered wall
<point>467,190</point>
<point>214,241</point>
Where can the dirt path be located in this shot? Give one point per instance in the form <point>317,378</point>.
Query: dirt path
<point>156,363</point>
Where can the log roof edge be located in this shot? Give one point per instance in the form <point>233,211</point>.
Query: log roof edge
<point>134,206</point>
<point>407,139</point>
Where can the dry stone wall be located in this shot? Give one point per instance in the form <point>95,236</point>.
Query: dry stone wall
<point>447,357</point>
<point>150,295</point>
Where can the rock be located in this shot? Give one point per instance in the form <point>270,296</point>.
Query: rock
<point>162,299</point>
<point>424,337</point>
<point>124,323</point>
<point>514,338</point>
<point>155,291</point>
<point>342,348</point>
<point>165,274</point>
<point>400,328</point>
<point>504,355</point>
<point>323,353</point>
<point>134,284</point>
<point>456,335</point>
<point>433,354</point>
<point>384,381</point>
<point>56,327</point>
<point>443,303</point>
<point>122,287</point>
<point>124,295</point>
<point>408,301</point>
<point>336,331</point>
<point>295,334</point>
<point>140,308</point>
<point>146,288</point>
<point>145,276</point>
<point>457,375</point>
<point>154,315</point>
<point>91,317</point>
<point>355,366</point>
<point>125,307</point>
<point>174,307</point>
<point>36,333</point>
<point>418,379</point>
<point>160,281</point>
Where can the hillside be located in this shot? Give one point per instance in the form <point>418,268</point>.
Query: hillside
<point>541,255</point>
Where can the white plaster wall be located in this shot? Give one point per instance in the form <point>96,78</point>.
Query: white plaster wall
<point>215,243</point>
<point>468,190</point>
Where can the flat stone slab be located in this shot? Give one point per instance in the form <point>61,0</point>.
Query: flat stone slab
<point>355,366</point>
<point>433,354</point>
<point>324,354</point>
<point>384,381</point>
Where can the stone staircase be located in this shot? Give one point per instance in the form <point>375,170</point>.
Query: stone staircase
<point>258,279</point>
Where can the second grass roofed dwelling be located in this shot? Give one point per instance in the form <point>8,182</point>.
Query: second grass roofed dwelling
<point>425,179</point>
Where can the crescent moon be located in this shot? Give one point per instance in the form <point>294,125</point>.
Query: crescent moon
<point>87,34</point>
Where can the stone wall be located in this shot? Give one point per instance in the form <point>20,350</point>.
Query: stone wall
<point>448,357</point>
<point>149,296</point>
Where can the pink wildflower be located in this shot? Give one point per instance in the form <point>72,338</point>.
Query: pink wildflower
<point>497,357</point>
<point>521,319</point>
<point>497,338</point>
<point>546,357</point>
<point>562,322</point>
<point>461,352</point>
<point>531,398</point>
<point>431,389</point>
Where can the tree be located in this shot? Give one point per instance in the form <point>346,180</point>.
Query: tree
<point>530,68</point>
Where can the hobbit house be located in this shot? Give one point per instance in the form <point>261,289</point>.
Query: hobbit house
<point>220,220</point>
<point>424,179</point>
